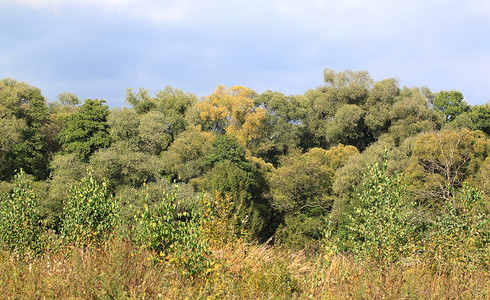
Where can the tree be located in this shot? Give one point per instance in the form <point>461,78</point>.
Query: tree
<point>21,229</point>
<point>442,161</point>
<point>347,177</point>
<point>226,148</point>
<point>231,174</point>
<point>301,190</point>
<point>89,213</point>
<point>348,127</point>
<point>176,106</point>
<point>232,111</point>
<point>347,87</point>
<point>86,130</point>
<point>303,181</point>
<point>66,171</point>
<point>24,120</point>
<point>283,125</point>
<point>124,126</point>
<point>185,158</point>
<point>451,104</point>
<point>342,91</point>
<point>378,105</point>
<point>460,237</point>
<point>122,164</point>
<point>67,98</point>
<point>480,115</point>
<point>67,103</point>
<point>155,132</point>
<point>411,115</point>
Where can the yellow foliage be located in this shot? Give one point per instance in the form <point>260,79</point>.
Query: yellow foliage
<point>233,111</point>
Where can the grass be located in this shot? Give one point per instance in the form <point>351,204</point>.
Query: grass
<point>237,270</point>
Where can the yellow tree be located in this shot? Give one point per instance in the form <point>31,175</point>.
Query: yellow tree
<point>233,112</point>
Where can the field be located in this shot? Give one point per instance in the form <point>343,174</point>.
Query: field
<point>238,271</point>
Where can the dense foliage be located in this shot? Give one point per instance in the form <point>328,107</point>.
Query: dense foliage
<point>391,175</point>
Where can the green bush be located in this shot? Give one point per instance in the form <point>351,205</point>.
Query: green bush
<point>383,223</point>
<point>89,213</point>
<point>21,230</point>
<point>173,236</point>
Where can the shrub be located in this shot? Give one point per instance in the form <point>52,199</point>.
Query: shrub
<point>459,237</point>
<point>173,236</point>
<point>89,213</point>
<point>21,230</point>
<point>383,221</point>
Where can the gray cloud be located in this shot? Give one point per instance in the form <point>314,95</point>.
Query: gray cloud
<point>97,49</point>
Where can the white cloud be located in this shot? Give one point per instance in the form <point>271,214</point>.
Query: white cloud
<point>480,7</point>
<point>155,11</point>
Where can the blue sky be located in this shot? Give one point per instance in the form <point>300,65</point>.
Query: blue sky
<point>99,48</point>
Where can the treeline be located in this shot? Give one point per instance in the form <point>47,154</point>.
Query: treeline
<point>376,168</point>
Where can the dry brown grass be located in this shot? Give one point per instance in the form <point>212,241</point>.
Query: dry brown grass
<point>238,271</point>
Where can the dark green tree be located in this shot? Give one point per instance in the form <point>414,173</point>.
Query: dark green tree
<point>86,130</point>
<point>451,104</point>
<point>231,174</point>
<point>480,115</point>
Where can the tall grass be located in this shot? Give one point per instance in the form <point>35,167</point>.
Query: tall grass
<point>239,271</point>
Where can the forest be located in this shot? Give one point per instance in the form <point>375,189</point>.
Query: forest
<point>355,189</point>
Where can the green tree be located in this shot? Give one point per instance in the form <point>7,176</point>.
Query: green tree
<point>122,164</point>
<point>378,105</point>
<point>155,132</point>
<point>460,237</point>
<point>172,236</point>
<point>185,159</point>
<point>337,106</point>
<point>301,190</point>
<point>347,177</point>
<point>347,87</point>
<point>65,104</point>
<point>480,115</point>
<point>67,98</point>
<point>124,126</point>
<point>86,130</point>
<point>451,104</point>
<point>24,119</point>
<point>348,127</point>
<point>66,171</point>
<point>411,115</point>
<point>177,107</point>
<point>283,122</point>
<point>231,174</point>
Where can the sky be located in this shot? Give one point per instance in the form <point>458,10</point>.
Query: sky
<point>100,48</point>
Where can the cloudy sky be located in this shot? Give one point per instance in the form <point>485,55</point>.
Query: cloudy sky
<point>99,48</point>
